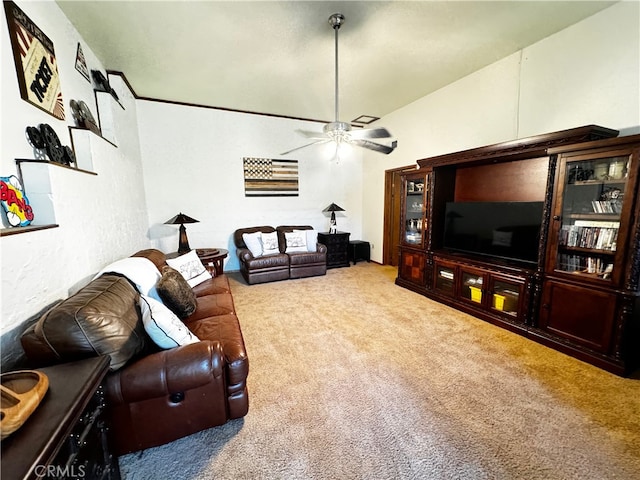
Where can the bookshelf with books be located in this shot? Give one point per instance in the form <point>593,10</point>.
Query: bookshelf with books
<point>593,199</point>
<point>590,292</point>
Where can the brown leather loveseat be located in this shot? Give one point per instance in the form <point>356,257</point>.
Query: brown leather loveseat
<point>268,254</point>
<point>154,395</point>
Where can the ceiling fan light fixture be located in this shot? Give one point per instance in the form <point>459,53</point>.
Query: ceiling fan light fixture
<point>337,131</point>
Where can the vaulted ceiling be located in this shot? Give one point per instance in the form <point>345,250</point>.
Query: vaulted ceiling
<point>277,57</point>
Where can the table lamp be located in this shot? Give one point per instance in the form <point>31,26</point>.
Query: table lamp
<point>181,219</point>
<point>333,208</point>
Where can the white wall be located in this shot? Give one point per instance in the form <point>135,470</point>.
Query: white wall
<point>192,160</point>
<point>101,217</point>
<point>586,74</point>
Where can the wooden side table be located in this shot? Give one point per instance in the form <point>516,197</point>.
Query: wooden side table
<point>337,248</point>
<point>213,259</point>
<point>359,250</point>
<point>66,436</point>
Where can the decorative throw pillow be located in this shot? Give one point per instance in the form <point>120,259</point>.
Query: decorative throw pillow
<point>164,328</point>
<point>253,243</point>
<point>296,241</point>
<point>141,271</point>
<point>312,239</point>
<point>190,267</point>
<point>270,243</point>
<point>176,293</point>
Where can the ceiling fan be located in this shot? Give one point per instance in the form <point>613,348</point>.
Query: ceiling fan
<point>341,132</point>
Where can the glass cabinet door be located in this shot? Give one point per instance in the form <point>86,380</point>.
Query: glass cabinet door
<point>445,278</point>
<point>505,296</point>
<point>415,200</point>
<point>592,198</point>
<point>472,285</point>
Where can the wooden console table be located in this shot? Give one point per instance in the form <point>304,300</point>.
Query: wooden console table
<point>66,436</point>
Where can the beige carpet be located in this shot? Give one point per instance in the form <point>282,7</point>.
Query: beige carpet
<point>352,377</point>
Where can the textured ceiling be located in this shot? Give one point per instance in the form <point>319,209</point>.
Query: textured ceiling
<point>278,57</point>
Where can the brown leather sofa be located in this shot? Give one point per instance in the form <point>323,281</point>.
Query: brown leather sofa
<point>153,396</point>
<point>282,265</point>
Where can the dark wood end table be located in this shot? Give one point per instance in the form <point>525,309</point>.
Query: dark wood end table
<point>337,248</point>
<point>359,250</point>
<point>213,259</point>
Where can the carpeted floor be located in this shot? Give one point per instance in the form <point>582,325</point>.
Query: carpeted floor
<point>352,377</point>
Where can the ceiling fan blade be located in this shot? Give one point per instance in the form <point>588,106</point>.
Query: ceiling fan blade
<point>377,147</point>
<point>305,146</point>
<point>310,134</point>
<point>379,132</point>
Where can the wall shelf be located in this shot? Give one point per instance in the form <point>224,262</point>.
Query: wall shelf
<point>79,129</point>
<point>110,112</point>
<point>36,174</point>
<point>5,232</point>
<point>38,178</point>
<point>81,142</point>
<point>20,161</point>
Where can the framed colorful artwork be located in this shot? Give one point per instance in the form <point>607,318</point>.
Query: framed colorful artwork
<point>35,62</point>
<point>14,202</point>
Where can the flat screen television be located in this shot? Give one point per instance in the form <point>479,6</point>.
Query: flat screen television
<point>505,230</point>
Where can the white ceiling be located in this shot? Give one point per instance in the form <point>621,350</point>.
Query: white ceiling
<point>277,57</point>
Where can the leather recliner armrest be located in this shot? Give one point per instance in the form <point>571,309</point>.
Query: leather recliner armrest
<point>167,372</point>
<point>321,248</point>
<point>244,254</point>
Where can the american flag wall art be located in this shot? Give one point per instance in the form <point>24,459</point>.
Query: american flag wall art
<point>266,177</point>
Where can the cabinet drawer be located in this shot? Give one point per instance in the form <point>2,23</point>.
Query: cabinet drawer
<point>335,240</point>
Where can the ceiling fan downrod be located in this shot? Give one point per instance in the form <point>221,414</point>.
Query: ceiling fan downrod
<point>336,20</point>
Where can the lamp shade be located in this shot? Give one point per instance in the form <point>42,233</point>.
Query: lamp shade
<point>180,219</point>
<point>183,241</point>
<point>333,208</point>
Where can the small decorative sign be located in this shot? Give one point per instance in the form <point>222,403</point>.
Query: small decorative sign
<point>81,63</point>
<point>14,202</point>
<point>35,62</point>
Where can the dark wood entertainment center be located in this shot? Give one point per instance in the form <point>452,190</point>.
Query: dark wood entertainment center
<point>580,294</point>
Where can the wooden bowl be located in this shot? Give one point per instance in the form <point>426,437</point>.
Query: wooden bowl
<point>20,392</point>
